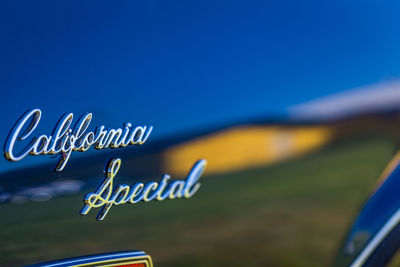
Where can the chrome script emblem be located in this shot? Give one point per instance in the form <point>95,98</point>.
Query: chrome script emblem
<point>64,139</point>
<point>106,196</point>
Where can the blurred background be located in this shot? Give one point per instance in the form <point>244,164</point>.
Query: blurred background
<point>294,104</point>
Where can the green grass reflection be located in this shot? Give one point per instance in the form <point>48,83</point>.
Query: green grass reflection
<point>290,214</point>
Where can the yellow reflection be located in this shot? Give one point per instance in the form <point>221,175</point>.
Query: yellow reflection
<point>244,147</point>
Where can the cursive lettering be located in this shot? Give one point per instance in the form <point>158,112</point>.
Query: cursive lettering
<point>106,196</point>
<point>66,139</point>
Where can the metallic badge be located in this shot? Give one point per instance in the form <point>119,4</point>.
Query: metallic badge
<point>64,139</point>
<point>106,196</point>
<point>120,259</point>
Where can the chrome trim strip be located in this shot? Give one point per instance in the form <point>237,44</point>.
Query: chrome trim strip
<point>82,260</point>
<point>378,238</point>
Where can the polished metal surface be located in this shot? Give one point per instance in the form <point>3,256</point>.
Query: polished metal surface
<point>377,219</point>
<point>106,196</point>
<point>295,105</point>
<point>128,259</point>
<point>66,138</point>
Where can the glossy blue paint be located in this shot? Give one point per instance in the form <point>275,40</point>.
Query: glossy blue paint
<point>252,59</point>
<point>185,67</point>
<point>383,203</point>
